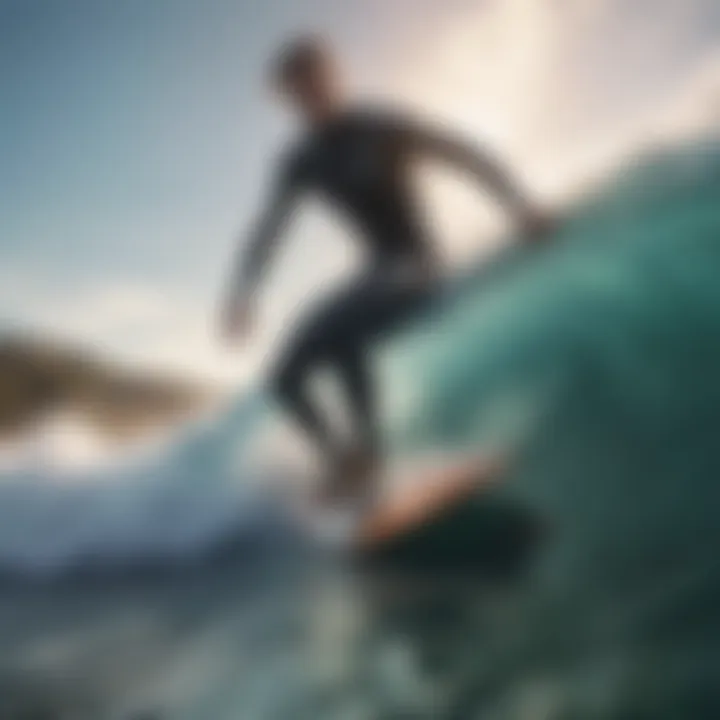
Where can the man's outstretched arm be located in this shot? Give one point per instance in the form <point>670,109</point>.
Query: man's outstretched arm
<point>482,165</point>
<point>253,259</point>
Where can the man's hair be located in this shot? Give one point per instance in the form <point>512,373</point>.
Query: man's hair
<point>298,59</point>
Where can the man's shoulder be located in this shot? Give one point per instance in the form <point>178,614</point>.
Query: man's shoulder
<point>378,114</point>
<point>388,120</point>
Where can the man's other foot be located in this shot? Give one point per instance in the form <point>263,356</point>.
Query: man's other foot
<point>353,476</point>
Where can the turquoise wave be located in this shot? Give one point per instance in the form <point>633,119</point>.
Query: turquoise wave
<point>595,363</point>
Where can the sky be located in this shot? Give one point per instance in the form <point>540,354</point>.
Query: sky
<point>137,139</point>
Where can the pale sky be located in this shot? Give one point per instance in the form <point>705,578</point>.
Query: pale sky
<point>136,138</point>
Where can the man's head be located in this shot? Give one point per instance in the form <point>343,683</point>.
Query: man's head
<point>306,75</point>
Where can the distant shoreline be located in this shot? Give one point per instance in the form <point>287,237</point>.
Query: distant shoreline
<point>39,377</point>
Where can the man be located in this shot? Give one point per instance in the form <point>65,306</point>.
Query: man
<point>362,162</point>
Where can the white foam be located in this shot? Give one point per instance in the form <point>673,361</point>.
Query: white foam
<point>172,500</point>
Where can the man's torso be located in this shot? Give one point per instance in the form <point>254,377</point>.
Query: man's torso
<point>361,162</point>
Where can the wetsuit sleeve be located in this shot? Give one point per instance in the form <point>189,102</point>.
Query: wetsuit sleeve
<point>256,253</point>
<point>432,141</point>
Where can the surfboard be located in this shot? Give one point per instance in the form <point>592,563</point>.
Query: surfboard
<point>423,496</point>
<point>449,516</point>
<point>453,520</point>
<point>409,497</point>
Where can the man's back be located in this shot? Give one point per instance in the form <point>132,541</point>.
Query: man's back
<point>360,161</point>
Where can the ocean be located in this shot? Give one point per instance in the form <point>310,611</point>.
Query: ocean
<point>174,585</point>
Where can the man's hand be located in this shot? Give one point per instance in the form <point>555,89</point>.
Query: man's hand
<point>237,320</point>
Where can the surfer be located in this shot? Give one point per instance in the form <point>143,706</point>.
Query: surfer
<point>360,159</point>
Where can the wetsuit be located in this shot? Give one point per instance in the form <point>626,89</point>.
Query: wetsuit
<point>361,162</point>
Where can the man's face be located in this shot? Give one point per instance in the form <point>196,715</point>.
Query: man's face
<point>315,92</point>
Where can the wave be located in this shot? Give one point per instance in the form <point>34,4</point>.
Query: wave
<point>174,500</point>
<point>630,281</point>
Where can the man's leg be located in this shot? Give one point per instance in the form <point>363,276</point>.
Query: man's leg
<point>290,384</point>
<point>341,335</point>
<point>369,309</point>
<point>353,367</point>
<point>349,468</point>
<point>290,388</point>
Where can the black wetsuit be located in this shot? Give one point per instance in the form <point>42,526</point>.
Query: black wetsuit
<point>361,162</point>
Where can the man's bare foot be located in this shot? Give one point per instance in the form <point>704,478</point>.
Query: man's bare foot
<point>354,476</point>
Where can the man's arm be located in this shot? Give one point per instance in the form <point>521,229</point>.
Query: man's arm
<point>254,257</point>
<point>435,143</point>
